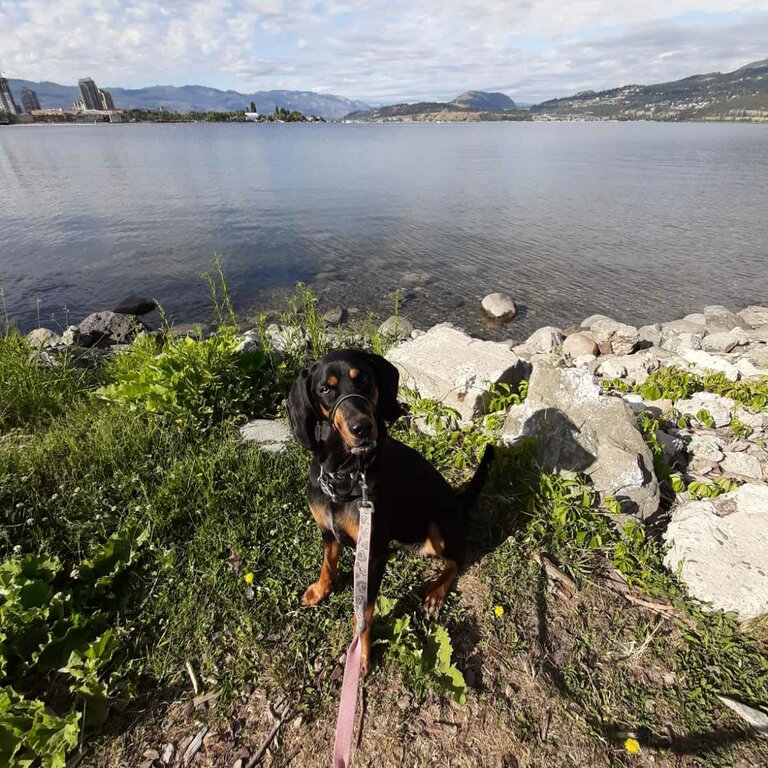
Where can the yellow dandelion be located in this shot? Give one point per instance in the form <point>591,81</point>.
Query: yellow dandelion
<point>499,610</point>
<point>179,421</point>
<point>199,475</point>
<point>632,746</point>
<point>249,578</point>
<point>282,365</point>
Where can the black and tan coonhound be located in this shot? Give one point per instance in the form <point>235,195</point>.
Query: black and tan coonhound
<point>338,409</point>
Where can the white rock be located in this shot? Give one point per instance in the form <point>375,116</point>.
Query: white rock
<point>42,338</point>
<point>683,326</point>
<point>271,435</point>
<point>634,401</point>
<point>697,317</point>
<point>579,344</point>
<point>651,334</point>
<point>678,342</point>
<point>706,448</point>
<point>721,547</point>
<point>718,316</point>
<point>757,335</point>
<point>448,366</point>
<point>248,343</point>
<point>611,368</point>
<point>588,322</point>
<point>703,362</point>
<point>754,315</point>
<point>743,465</point>
<point>718,407</point>
<point>755,717</point>
<point>723,342</point>
<point>499,306</point>
<point>547,339</point>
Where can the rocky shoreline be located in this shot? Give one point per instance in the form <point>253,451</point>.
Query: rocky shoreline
<point>691,461</point>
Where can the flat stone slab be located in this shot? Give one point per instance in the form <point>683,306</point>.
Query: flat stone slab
<point>449,366</point>
<point>270,435</point>
<point>721,547</point>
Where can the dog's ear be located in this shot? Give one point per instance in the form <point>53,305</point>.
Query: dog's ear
<point>388,379</point>
<point>302,415</point>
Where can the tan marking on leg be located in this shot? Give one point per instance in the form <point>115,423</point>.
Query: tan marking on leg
<point>323,586</point>
<point>350,525</point>
<point>434,546</point>
<point>320,513</point>
<point>438,590</point>
<point>365,640</point>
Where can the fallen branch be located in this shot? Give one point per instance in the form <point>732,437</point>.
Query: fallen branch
<point>284,718</point>
<point>556,574</point>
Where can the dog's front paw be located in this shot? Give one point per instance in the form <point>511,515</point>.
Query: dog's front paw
<point>315,593</point>
<point>436,596</point>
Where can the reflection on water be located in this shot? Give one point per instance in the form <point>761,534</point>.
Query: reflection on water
<point>641,221</point>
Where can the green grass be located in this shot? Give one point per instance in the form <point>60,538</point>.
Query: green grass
<point>155,515</point>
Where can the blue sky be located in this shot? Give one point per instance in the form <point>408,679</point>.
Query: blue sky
<point>380,51</point>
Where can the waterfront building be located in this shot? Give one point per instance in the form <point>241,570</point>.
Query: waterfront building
<point>105,98</point>
<point>78,105</point>
<point>7,104</point>
<point>29,100</point>
<point>89,93</point>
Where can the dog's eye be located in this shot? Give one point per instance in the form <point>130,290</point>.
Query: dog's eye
<point>324,390</point>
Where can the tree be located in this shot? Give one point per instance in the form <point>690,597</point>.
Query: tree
<point>252,107</point>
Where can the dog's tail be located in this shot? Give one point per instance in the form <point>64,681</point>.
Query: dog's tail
<point>468,495</point>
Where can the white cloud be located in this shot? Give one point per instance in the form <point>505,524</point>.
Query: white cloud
<point>379,50</point>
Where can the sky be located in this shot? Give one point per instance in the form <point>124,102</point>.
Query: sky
<point>380,51</point>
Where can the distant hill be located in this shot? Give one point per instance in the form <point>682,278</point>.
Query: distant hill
<point>189,98</point>
<point>738,95</point>
<point>483,100</point>
<point>469,106</point>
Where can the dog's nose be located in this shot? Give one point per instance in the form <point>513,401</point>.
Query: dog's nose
<point>361,428</point>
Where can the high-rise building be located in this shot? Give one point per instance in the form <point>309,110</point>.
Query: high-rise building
<point>90,93</point>
<point>105,97</point>
<point>7,104</point>
<point>29,100</point>
<point>78,105</point>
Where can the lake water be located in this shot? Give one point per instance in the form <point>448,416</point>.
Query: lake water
<point>640,221</point>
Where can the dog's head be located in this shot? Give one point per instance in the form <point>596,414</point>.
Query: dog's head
<point>355,391</point>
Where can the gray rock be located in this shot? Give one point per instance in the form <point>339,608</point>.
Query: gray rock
<point>270,435</point>
<point>697,317</point>
<point>396,327</point>
<point>448,366</point>
<point>622,338</point>
<point>755,717</point>
<point>579,429</point>
<point>611,368</point>
<point>722,342</point>
<point>706,448</point>
<point>754,316</point>
<point>700,361</point>
<point>334,316</point>
<point>579,344</point>
<point>678,342</point>
<point>757,356</point>
<point>757,335</point>
<point>672,446</point>
<point>103,329</point>
<point>42,338</point>
<point>743,465</point>
<point>247,344</point>
<point>650,334</point>
<point>718,316</point>
<point>546,339</point>
<point>193,330</point>
<point>719,408</point>
<point>135,305</point>
<point>683,326</point>
<point>499,306</point>
<point>721,547</point>
<point>588,322</point>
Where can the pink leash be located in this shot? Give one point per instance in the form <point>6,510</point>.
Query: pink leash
<point>345,724</point>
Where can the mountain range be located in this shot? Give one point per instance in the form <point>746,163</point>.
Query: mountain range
<point>196,98</point>
<point>738,95</point>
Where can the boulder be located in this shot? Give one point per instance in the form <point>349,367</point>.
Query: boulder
<point>717,316</point>
<point>611,368</point>
<point>42,338</point>
<point>683,326</point>
<point>499,306</point>
<point>721,548</point>
<point>718,407</point>
<point>135,305</point>
<point>579,344</point>
<point>546,339</point>
<point>588,322</point>
<point>71,336</point>
<point>743,465</point>
<point>396,327</point>
<point>723,342</point>
<point>706,448</point>
<point>448,366</point>
<point>650,334</point>
<point>697,317</point>
<point>104,329</point>
<point>754,316</point>
<point>700,361</point>
<point>579,429</point>
<point>334,316</point>
<point>679,342</point>
<point>623,339</point>
<point>268,434</point>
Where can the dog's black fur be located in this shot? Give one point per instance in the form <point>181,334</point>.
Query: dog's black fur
<point>414,505</point>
